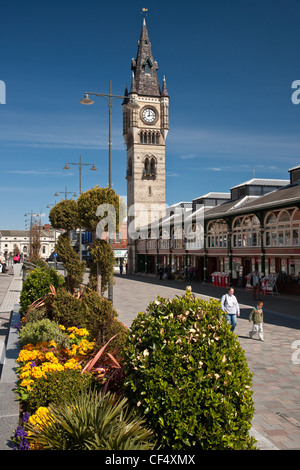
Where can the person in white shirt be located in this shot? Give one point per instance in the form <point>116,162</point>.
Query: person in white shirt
<point>230,306</point>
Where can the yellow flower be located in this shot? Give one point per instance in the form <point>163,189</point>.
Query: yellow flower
<point>37,373</point>
<point>27,383</point>
<point>25,374</point>
<point>41,416</point>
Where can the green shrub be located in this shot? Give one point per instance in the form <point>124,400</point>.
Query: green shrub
<point>37,284</point>
<point>42,330</point>
<point>36,314</point>
<point>187,373</point>
<point>91,421</point>
<point>90,311</point>
<point>58,386</point>
<point>72,264</point>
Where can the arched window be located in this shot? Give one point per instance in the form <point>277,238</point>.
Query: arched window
<point>149,170</point>
<point>237,233</point>
<point>146,166</point>
<point>296,227</point>
<point>152,166</point>
<point>217,234</point>
<point>271,229</point>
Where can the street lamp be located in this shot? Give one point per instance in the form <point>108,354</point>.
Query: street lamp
<point>55,258</point>
<point>65,192</point>
<point>80,165</point>
<point>110,99</point>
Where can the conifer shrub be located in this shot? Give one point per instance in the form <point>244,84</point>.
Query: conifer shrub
<point>43,330</point>
<point>37,284</point>
<point>186,372</point>
<point>90,311</point>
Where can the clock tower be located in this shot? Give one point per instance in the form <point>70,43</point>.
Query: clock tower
<point>145,128</point>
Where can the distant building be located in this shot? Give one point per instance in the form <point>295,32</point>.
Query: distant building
<point>20,240</point>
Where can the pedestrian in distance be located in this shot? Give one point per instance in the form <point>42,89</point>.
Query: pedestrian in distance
<point>230,306</point>
<point>255,282</point>
<point>257,319</point>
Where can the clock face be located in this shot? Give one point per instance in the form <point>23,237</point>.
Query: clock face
<point>149,115</point>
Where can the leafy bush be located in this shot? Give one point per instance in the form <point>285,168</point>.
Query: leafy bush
<point>90,311</point>
<point>187,373</point>
<point>37,284</point>
<point>90,421</point>
<point>42,331</point>
<point>57,386</point>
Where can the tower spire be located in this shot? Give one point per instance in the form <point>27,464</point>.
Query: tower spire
<point>145,67</point>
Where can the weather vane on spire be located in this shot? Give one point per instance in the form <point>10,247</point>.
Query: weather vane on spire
<point>144,12</point>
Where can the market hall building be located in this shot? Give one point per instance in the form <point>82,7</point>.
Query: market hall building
<point>254,227</point>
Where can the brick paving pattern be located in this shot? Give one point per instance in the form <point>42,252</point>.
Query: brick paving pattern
<point>276,379</point>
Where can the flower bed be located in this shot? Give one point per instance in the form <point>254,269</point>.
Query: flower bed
<point>38,360</point>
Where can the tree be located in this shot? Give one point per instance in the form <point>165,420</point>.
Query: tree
<point>75,269</point>
<point>92,205</point>
<point>35,240</point>
<point>103,260</point>
<point>64,215</point>
<point>100,210</point>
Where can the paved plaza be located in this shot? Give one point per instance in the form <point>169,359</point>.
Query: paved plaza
<point>275,363</point>
<point>276,378</point>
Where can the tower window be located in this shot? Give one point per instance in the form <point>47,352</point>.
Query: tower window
<point>149,167</point>
<point>148,65</point>
<point>149,191</point>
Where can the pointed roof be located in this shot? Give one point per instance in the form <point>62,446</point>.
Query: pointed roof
<point>144,80</point>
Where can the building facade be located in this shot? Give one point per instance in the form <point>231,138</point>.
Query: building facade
<point>145,129</point>
<point>257,227</point>
<point>19,240</point>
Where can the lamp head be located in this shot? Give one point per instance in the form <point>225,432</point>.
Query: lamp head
<point>66,167</point>
<point>93,168</point>
<point>86,100</point>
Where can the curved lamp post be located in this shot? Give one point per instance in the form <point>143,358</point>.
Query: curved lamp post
<point>110,99</point>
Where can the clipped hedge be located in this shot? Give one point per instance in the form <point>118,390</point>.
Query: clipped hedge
<point>187,373</point>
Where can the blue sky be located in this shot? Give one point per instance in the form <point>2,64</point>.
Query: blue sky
<point>228,65</point>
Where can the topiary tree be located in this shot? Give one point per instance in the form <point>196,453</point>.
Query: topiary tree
<point>75,269</point>
<point>89,203</point>
<point>64,215</point>
<point>187,373</point>
<point>37,284</point>
<point>100,210</point>
<point>103,260</point>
